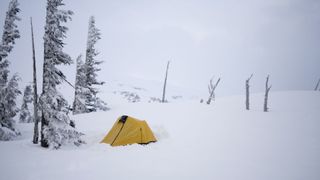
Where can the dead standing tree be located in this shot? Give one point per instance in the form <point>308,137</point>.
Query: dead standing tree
<point>35,95</point>
<point>165,84</point>
<point>316,88</point>
<point>211,89</point>
<point>247,92</point>
<point>265,106</point>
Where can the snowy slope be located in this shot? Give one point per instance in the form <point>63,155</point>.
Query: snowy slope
<point>145,91</point>
<point>195,141</point>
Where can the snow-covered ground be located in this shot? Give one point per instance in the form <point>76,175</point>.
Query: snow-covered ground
<point>195,141</point>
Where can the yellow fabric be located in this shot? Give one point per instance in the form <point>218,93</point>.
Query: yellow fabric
<point>130,132</point>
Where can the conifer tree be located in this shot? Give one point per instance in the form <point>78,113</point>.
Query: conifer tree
<point>10,34</point>
<point>55,122</point>
<point>80,88</point>
<point>25,114</point>
<point>8,90</point>
<point>8,109</point>
<point>92,102</point>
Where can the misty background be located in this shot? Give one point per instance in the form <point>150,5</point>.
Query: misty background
<point>202,38</point>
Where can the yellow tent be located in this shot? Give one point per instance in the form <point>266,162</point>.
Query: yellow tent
<point>128,130</point>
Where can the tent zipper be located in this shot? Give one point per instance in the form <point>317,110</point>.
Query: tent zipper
<point>117,134</point>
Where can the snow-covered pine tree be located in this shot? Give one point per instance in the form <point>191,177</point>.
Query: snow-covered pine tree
<point>55,122</point>
<point>10,33</point>
<point>92,102</point>
<point>8,109</point>
<point>80,88</point>
<point>25,114</point>
<point>8,90</point>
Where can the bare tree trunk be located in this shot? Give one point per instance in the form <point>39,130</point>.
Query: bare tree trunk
<point>165,84</point>
<point>316,88</point>
<point>247,92</point>
<point>35,95</point>
<point>212,88</point>
<point>265,106</point>
<point>211,93</point>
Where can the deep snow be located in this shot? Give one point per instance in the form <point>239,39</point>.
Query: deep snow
<point>195,141</point>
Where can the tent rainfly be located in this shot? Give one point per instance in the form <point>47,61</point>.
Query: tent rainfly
<point>128,130</point>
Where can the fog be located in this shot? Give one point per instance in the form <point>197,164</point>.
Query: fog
<point>202,38</point>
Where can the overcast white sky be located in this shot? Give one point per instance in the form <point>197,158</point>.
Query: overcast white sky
<point>202,38</point>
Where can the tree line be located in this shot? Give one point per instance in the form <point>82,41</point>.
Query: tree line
<point>50,108</point>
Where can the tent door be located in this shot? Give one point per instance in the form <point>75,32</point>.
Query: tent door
<point>118,133</point>
<point>140,135</point>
